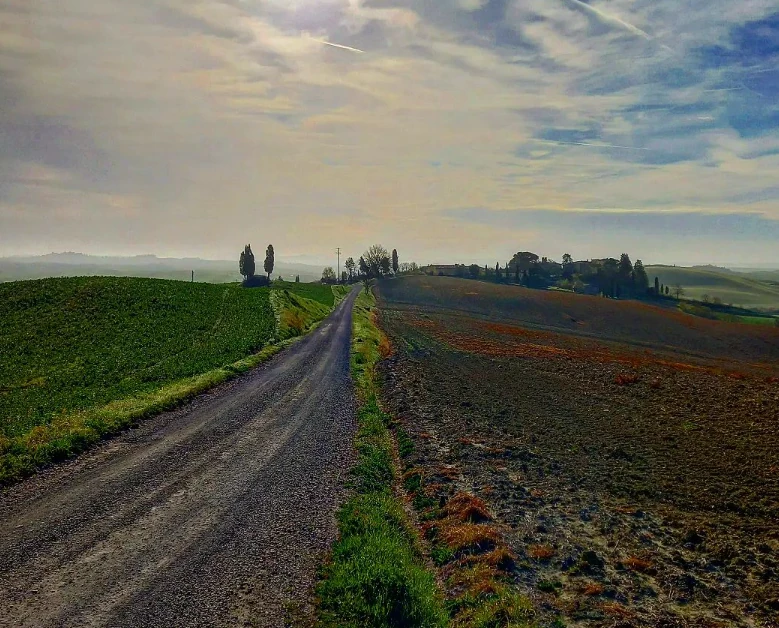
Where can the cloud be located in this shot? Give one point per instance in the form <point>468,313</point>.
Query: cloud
<point>191,124</point>
<point>611,18</point>
<point>341,46</point>
<point>683,222</point>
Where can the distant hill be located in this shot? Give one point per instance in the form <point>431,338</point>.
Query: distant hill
<point>760,274</point>
<point>729,286</point>
<point>71,264</point>
<point>713,269</point>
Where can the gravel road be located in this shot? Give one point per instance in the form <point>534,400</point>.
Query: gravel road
<point>216,514</point>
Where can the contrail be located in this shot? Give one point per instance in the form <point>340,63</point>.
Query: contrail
<point>593,145</point>
<point>613,18</point>
<point>329,43</point>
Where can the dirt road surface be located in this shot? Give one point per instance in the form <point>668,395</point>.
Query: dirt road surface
<point>216,514</point>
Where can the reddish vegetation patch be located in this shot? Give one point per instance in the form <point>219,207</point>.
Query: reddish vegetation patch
<point>592,588</point>
<point>474,336</point>
<point>637,564</point>
<point>468,536</point>
<point>540,552</point>
<point>466,507</point>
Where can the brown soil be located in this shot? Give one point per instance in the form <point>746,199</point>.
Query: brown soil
<point>637,484</point>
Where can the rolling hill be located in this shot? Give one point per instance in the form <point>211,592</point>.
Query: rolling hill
<point>85,356</point>
<point>148,266</point>
<point>731,288</point>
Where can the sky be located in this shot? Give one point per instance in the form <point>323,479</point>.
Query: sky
<point>452,130</point>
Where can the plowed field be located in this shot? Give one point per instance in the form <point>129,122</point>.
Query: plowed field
<point>629,454</point>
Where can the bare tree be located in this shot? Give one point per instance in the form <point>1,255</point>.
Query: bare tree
<point>375,258</point>
<point>350,266</point>
<point>678,291</point>
<point>328,275</point>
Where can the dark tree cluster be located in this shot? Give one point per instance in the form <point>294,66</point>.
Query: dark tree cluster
<point>610,277</point>
<point>247,267</point>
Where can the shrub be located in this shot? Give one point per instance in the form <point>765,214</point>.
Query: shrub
<point>257,281</point>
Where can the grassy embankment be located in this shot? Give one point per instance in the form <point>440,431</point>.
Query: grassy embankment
<point>377,575</point>
<point>86,357</point>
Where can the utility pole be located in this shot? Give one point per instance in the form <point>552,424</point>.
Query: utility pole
<point>338,276</point>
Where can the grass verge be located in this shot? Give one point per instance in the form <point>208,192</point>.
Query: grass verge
<point>377,575</point>
<point>67,433</point>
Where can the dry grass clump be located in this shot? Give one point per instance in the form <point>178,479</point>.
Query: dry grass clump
<point>469,536</point>
<point>616,610</point>
<point>467,508</point>
<point>448,473</point>
<point>293,320</point>
<point>474,561</point>
<point>637,564</point>
<point>501,558</point>
<point>476,580</point>
<point>592,589</point>
<point>540,552</point>
<point>385,348</point>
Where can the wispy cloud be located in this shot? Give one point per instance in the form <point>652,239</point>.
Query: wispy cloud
<point>592,145</point>
<point>341,46</point>
<point>191,126</point>
<point>610,17</point>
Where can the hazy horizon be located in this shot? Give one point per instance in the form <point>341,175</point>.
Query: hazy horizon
<point>313,262</point>
<point>459,130</point>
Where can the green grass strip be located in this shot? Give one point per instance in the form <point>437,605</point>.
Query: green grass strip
<point>377,577</point>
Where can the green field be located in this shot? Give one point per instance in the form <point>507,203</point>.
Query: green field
<point>313,291</point>
<point>731,288</point>
<point>72,346</point>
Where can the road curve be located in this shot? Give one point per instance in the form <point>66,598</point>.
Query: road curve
<point>216,514</point>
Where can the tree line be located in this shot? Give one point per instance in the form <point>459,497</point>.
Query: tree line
<point>610,277</point>
<point>375,263</point>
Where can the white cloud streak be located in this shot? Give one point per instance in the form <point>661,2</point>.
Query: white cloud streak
<point>617,20</point>
<point>593,145</point>
<point>341,46</point>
